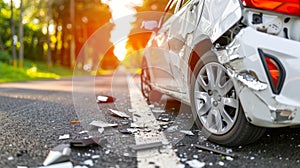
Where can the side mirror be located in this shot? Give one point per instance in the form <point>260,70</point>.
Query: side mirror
<point>149,25</point>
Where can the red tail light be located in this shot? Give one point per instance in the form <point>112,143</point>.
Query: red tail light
<point>291,7</point>
<point>274,70</point>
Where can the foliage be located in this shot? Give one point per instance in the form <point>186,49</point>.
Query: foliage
<point>31,71</point>
<point>5,57</point>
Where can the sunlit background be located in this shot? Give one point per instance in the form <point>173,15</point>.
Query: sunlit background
<point>53,32</point>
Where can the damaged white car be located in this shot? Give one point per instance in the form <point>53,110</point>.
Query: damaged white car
<point>236,62</point>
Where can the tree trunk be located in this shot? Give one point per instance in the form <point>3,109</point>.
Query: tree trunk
<point>13,37</point>
<point>49,61</point>
<point>72,42</point>
<point>21,33</point>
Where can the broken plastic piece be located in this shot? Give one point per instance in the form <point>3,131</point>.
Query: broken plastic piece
<point>74,122</point>
<point>59,165</point>
<point>195,163</point>
<point>105,99</point>
<point>146,146</point>
<point>58,154</point>
<point>102,124</point>
<point>214,150</point>
<point>65,136</point>
<point>85,142</point>
<point>119,113</point>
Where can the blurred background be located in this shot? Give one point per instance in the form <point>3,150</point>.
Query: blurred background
<point>43,38</point>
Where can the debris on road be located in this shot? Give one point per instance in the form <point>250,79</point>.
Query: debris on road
<point>146,146</point>
<point>221,163</point>
<point>105,99</point>
<point>95,156</point>
<point>89,162</point>
<point>102,124</point>
<point>195,163</point>
<point>151,106</point>
<point>164,117</point>
<point>172,128</point>
<point>158,110</point>
<point>101,130</point>
<point>85,142</point>
<point>190,133</point>
<point>74,122</point>
<point>21,153</point>
<point>119,113</point>
<point>59,165</point>
<point>134,125</point>
<point>229,158</point>
<point>83,132</point>
<point>10,158</point>
<point>131,110</point>
<point>58,154</point>
<point>63,137</point>
<point>214,151</point>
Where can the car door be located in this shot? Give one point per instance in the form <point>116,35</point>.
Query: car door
<point>180,37</point>
<point>157,52</point>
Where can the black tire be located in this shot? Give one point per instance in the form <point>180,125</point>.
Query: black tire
<point>145,80</point>
<point>237,130</point>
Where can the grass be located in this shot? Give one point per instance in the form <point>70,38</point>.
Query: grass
<point>32,71</point>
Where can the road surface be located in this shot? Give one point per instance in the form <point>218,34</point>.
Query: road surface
<point>34,115</point>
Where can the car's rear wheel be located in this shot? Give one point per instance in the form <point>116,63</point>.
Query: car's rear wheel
<point>145,80</point>
<point>216,106</point>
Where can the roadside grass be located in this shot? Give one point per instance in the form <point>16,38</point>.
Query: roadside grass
<point>32,71</point>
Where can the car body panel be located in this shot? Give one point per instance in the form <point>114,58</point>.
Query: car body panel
<point>174,50</point>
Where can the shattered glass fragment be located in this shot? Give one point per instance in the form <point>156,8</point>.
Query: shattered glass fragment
<point>195,163</point>
<point>102,124</point>
<point>10,158</point>
<point>89,162</point>
<point>157,110</point>
<point>58,154</point>
<point>85,142</point>
<point>63,137</point>
<point>95,156</point>
<point>172,128</point>
<point>190,133</point>
<point>101,130</point>
<point>119,113</point>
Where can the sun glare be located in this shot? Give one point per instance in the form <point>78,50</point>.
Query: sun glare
<point>122,16</point>
<point>120,50</point>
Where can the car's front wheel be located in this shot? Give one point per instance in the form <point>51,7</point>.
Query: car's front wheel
<point>216,106</point>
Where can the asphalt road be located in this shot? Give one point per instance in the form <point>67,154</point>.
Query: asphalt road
<point>34,115</point>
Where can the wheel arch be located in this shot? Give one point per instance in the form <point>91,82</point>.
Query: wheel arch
<point>201,48</point>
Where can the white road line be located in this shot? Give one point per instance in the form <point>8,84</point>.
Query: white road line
<point>164,158</point>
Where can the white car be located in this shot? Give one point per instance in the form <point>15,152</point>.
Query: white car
<point>236,62</point>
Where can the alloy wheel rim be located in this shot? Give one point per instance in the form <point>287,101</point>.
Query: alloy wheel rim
<point>215,99</point>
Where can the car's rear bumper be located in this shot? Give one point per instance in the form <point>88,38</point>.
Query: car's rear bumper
<point>262,106</point>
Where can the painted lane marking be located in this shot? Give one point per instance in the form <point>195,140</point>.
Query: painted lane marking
<point>165,158</point>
